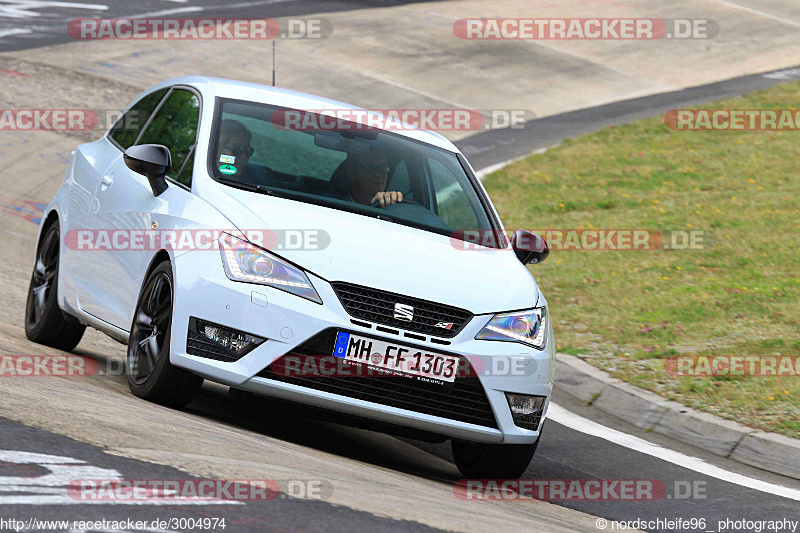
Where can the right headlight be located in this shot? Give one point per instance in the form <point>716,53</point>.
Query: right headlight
<point>527,327</point>
<point>247,262</point>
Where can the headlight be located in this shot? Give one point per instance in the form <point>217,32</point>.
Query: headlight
<point>527,327</point>
<point>246,262</point>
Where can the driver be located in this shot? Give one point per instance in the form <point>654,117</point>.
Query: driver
<point>368,173</point>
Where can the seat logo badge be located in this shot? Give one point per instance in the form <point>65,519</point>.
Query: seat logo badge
<point>403,312</point>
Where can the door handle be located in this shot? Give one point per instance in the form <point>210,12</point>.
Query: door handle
<point>107,180</point>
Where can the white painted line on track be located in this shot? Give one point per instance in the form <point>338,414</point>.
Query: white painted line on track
<point>20,235</point>
<point>195,9</point>
<point>173,11</point>
<point>14,31</point>
<point>562,416</point>
<point>757,12</point>
<point>485,171</point>
<point>249,4</point>
<point>160,13</point>
<point>411,89</point>
<point>52,488</point>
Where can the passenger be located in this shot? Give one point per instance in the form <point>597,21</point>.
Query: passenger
<point>235,151</point>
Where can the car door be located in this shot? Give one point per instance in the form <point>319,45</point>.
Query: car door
<point>89,167</point>
<point>127,210</point>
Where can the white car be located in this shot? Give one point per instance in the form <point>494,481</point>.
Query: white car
<point>357,269</point>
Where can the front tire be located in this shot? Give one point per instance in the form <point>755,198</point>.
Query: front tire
<point>477,460</point>
<point>150,374</point>
<point>45,323</point>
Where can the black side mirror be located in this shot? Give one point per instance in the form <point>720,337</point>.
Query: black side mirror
<point>151,161</point>
<point>529,247</point>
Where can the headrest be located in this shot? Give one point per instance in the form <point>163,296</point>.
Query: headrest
<point>339,180</point>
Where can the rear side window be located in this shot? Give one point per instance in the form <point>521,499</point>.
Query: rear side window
<point>127,128</point>
<point>175,126</point>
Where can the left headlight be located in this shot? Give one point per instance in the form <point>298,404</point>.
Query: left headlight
<point>527,327</point>
<point>247,262</point>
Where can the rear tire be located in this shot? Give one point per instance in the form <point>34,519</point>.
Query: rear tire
<point>150,374</point>
<point>45,323</point>
<point>476,460</point>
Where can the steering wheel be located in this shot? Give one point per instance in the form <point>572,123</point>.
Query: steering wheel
<point>409,201</point>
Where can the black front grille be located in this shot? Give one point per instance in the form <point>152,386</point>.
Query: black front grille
<point>200,345</point>
<point>530,422</point>
<point>464,400</point>
<point>379,306</point>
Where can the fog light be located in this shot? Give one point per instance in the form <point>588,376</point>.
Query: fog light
<point>213,341</point>
<point>526,410</point>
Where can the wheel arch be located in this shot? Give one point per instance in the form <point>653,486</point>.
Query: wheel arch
<point>49,217</point>
<point>158,258</point>
<point>47,220</point>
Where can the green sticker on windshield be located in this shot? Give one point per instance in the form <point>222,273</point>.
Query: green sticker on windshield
<point>227,169</point>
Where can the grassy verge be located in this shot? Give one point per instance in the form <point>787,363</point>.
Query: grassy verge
<point>627,311</point>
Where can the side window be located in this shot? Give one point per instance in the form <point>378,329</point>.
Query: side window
<point>130,124</point>
<point>452,205</point>
<point>175,126</point>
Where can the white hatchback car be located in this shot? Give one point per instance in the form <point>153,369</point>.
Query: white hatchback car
<point>353,268</point>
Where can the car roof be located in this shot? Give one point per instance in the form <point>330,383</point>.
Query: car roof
<point>211,88</point>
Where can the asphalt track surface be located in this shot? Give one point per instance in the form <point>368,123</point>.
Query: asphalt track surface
<point>490,148</point>
<point>567,451</point>
<point>278,511</point>
<point>35,24</point>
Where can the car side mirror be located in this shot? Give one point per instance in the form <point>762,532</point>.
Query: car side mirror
<point>151,161</point>
<point>529,247</point>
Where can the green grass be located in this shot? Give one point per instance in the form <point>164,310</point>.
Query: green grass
<point>626,311</point>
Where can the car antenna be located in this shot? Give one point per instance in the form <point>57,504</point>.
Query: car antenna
<point>273,62</point>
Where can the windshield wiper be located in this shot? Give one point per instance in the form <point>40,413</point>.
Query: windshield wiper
<point>252,187</point>
<point>334,204</point>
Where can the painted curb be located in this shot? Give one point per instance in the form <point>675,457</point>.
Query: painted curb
<point>768,451</point>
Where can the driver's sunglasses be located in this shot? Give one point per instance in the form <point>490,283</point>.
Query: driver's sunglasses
<point>238,150</point>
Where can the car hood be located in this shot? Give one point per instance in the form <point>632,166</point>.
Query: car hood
<point>384,255</point>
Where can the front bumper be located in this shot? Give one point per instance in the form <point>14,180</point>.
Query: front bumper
<point>287,321</point>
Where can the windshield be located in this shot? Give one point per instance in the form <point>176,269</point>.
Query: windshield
<point>369,172</point>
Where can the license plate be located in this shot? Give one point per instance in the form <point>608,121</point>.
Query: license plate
<point>396,358</point>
